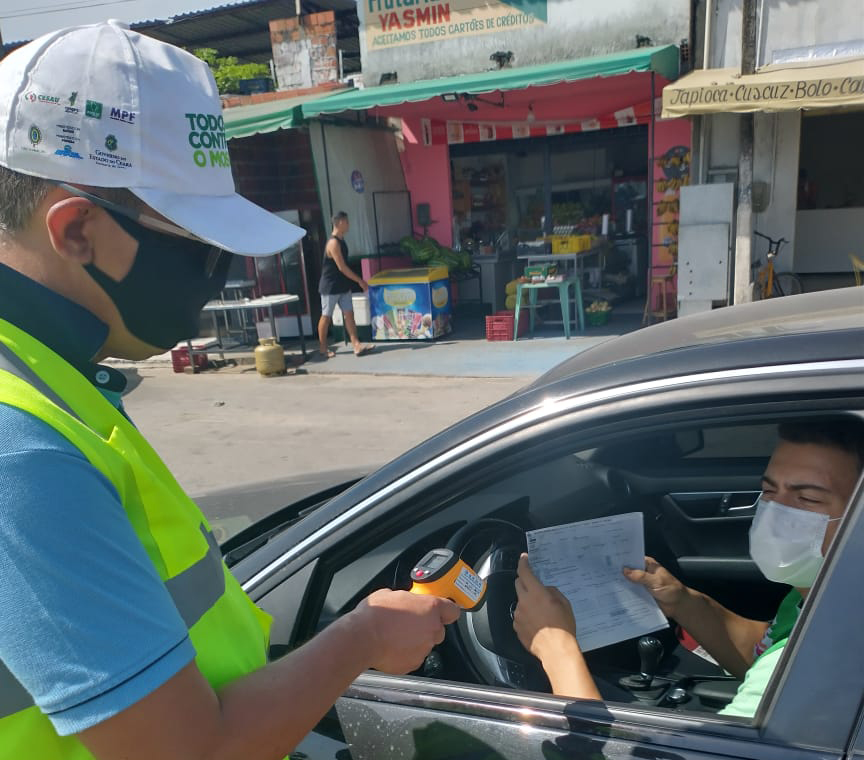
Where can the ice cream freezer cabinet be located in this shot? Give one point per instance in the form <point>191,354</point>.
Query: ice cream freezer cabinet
<point>410,304</point>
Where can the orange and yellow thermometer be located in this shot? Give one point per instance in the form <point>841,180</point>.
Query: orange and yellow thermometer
<point>442,573</point>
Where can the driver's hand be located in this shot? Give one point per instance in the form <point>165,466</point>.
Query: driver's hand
<point>402,628</point>
<point>660,583</point>
<point>543,618</point>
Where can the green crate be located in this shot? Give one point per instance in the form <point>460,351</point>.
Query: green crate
<point>597,318</point>
<point>541,270</point>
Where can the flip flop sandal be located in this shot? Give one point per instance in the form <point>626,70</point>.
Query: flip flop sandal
<point>365,350</point>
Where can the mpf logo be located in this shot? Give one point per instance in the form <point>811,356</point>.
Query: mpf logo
<point>128,117</point>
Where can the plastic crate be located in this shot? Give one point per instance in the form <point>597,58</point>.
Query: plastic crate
<point>499,326</point>
<point>180,359</point>
<point>570,243</point>
<point>540,270</point>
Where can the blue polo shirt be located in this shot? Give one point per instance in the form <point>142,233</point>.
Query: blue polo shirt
<point>86,626</point>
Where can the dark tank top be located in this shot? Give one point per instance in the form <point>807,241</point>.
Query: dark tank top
<point>333,282</point>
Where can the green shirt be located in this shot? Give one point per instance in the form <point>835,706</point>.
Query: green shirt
<point>767,653</point>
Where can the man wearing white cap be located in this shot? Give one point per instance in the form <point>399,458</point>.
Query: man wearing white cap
<point>122,635</point>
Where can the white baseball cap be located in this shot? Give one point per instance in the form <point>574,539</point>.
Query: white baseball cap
<point>103,106</point>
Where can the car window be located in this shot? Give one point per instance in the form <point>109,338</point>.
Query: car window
<point>611,472</point>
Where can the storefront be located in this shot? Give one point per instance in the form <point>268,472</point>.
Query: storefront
<point>271,160</point>
<point>808,166</point>
<point>508,157</point>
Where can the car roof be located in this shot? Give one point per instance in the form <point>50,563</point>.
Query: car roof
<point>808,314</point>
<point>816,327</point>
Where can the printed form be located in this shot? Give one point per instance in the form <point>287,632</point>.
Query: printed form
<point>584,561</point>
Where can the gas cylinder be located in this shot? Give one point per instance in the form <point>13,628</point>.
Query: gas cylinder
<point>269,357</point>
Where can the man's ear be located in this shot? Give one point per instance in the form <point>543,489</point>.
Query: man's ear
<point>70,228</point>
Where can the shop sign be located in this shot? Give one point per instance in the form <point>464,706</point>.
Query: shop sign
<point>393,23</point>
<point>768,95</point>
<point>357,181</point>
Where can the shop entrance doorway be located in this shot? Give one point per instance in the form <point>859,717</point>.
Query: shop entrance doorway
<point>592,183</point>
<point>830,208</point>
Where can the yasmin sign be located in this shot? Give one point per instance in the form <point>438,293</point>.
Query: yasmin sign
<point>390,23</point>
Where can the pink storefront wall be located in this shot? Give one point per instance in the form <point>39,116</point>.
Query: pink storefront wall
<point>427,176</point>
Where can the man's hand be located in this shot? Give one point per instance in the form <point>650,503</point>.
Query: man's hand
<point>543,619</point>
<point>544,622</point>
<point>364,286</point>
<point>660,583</point>
<point>402,627</point>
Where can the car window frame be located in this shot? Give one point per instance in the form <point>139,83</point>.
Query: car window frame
<point>774,722</point>
<point>778,394</point>
<point>364,501</point>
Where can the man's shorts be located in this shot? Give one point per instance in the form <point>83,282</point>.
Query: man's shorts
<point>330,301</point>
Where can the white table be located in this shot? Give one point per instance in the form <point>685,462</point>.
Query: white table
<point>264,302</point>
<point>577,261</point>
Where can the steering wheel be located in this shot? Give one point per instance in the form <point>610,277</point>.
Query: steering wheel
<point>485,637</point>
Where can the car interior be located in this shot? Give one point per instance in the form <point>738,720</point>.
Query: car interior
<point>696,486</point>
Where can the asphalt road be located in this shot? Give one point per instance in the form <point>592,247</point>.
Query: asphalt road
<point>244,445</point>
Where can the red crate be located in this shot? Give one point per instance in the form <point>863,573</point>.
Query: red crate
<point>499,326</point>
<point>180,359</point>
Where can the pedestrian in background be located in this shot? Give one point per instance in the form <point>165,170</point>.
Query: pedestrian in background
<point>336,285</point>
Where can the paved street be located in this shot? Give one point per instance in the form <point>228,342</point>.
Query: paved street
<point>234,428</point>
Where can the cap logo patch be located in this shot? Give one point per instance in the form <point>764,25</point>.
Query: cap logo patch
<point>111,143</point>
<point>93,109</point>
<point>207,137</point>
<point>35,135</point>
<point>67,152</point>
<point>36,97</point>
<point>120,114</point>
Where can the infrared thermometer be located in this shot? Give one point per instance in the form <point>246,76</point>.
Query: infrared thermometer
<point>442,573</point>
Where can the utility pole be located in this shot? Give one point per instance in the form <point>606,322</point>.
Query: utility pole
<point>743,292</point>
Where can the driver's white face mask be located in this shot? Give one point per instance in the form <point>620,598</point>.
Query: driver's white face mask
<point>786,543</point>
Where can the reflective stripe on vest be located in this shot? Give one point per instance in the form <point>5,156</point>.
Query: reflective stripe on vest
<point>228,632</point>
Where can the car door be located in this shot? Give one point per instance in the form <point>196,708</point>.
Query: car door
<point>417,717</point>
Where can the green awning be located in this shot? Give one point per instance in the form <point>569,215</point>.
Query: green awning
<point>662,60</point>
<point>284,113</point>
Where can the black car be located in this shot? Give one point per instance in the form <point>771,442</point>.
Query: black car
<point>676,421</point>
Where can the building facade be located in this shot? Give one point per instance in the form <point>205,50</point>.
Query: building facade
<point>807,101</point>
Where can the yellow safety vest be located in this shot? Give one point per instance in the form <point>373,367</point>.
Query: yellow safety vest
<point>229,632</point>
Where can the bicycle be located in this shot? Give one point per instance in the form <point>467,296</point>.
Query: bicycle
<point>767,283</point>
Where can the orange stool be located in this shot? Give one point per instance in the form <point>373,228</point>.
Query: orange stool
<point>659,290</point>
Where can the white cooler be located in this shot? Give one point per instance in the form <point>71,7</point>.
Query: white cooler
<point>361,311</point>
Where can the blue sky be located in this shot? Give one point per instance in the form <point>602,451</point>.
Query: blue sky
<point>25,19</point>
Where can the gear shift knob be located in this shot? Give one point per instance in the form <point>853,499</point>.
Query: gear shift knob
<point>650,653</point>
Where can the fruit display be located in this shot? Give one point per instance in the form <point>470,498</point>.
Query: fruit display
<point>598,305</point>
<point>428,252</point>
<point>568,213</point>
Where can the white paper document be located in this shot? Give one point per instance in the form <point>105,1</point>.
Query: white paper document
<point>584,561</point>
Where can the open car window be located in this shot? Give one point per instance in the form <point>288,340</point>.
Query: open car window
<point>679,478</point>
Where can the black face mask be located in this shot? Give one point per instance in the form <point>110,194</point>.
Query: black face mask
<point>161,297</point>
